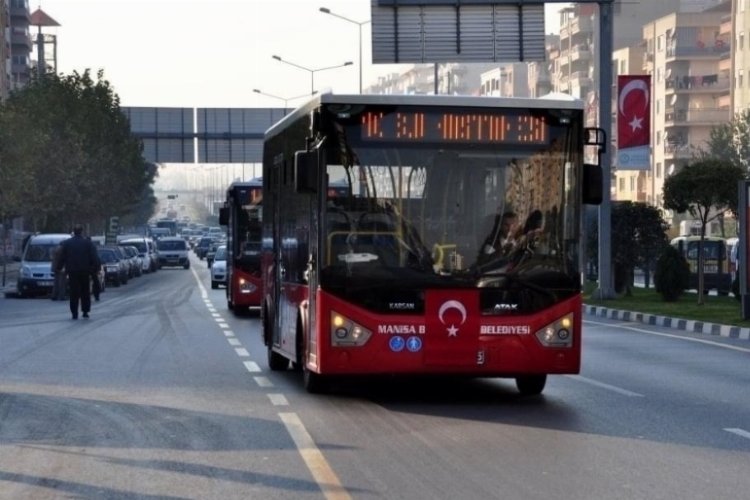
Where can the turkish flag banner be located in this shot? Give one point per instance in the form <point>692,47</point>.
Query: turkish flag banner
<point>633,121</point>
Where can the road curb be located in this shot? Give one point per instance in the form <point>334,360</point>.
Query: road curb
<point>713,329</point>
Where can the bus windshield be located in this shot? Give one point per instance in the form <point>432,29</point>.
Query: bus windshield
<point>454,214</point>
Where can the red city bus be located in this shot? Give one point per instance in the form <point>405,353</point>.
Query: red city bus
<point>425,235</point>
<point>242,214</point>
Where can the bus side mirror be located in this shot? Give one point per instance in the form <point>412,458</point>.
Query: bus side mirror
<point>306,168</point>
<point>592,184</point>
<point>223,216</point>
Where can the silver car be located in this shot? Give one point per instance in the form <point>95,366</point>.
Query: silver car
<point>219,267</point>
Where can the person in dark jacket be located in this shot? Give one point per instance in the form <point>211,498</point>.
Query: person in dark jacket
<point>78,257</point>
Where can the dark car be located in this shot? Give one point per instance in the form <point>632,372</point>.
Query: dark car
<point>203,246</point>
<point>115,267</point>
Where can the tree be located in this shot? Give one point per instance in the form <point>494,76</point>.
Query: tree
<point>638,234</point>
<point>68,153</point>
<point>638,237</point>
<point>705,188</point>
<point>730,142</point>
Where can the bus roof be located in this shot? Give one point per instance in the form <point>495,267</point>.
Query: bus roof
<point>553,100</point>
<point>254,182</point>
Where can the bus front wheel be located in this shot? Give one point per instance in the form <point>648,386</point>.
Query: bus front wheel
<point>276,362</point>
<point>531,385</point>
<point>314,382</point>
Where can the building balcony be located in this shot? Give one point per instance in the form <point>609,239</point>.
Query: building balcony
<point>725,64</point>
<point>21,39</point>
<point>695,116</point>
<point>580,79</point>
<point>698,51</point>
<point>678,151</point>
<point>697,84</point>
<point>580,52</point>
<point>581,25</point>
<point>725,28</point>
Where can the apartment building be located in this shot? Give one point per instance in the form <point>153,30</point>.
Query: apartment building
<point>4,49</point>
<point>737,24</point>
<point>686,55</point>
<point>20,43</point>
<point>506,80</point>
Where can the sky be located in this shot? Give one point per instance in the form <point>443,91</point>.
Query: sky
<point>213,53</point>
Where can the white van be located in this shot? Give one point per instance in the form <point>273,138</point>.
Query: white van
<point>36,275</point>
<point>146,250</point>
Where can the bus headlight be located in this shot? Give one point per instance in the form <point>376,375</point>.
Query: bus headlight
<point>345,332</point>
<point>557,334</point>
<point>246,286</point>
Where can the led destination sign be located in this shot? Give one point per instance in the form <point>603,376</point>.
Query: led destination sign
<point>489,127</point>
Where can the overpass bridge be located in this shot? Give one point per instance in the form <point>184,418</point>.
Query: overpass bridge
<point>202,135</point>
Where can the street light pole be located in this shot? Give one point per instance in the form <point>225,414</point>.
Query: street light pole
<point>359,24</point>
<point>285,99</point>
<point>312,71</point>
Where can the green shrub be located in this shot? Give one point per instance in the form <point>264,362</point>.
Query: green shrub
<point>672,274</point>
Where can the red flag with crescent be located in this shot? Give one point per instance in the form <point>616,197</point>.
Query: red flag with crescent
<point>633,111</point>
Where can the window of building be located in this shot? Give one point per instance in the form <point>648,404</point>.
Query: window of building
<point>660,43</point>
<point>658,170</point>
<point>632,183</point>
<point>658,137</point>
<point>739,77</point>
<point>658,106</point>
<point>622,184</point>
<point>741,40</point>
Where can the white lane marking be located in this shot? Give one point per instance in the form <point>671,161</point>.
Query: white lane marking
<point>739,432</point>
<point>204,292</point>
<point>229,333</point>
<point>222,325</point>
<point>317,464</point>
<point>242,352</point>
<point>671,335</point>
<point>234,342</point>
<point>215,314</point>
<point>613,388</point>
<point>263,381</point>
<point>278,400</point>
<point>252,366</point>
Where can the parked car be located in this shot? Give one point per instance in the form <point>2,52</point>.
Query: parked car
<point>219,267</point>
<point>36,275</point>
<point>146,250</point>
<point>173,251</point>
<point>115,266</point>
<point>136,264</point>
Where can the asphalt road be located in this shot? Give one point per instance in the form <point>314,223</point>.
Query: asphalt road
<point>164,393</point>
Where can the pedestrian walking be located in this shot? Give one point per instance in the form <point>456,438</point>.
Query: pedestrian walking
<point>78,258</point>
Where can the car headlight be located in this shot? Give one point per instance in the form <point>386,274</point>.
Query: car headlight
<point>345,332</point>
<point>558,333</point>
<point>246,286</point>
<point>26,272</point>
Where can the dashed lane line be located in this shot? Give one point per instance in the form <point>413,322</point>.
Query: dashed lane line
<point>252,366</point>
<point>234,342</point>
<point>242,352</point>
<point>321,471</point>
<point>278,399</point>
<point>263,381</point>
